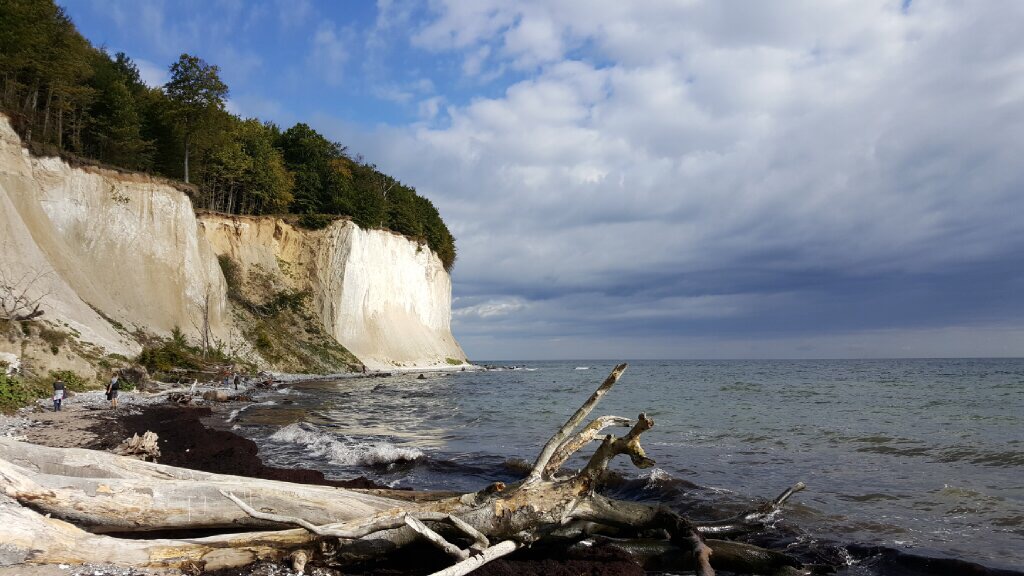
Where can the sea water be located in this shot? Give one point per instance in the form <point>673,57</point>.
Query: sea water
<point>924,456</point>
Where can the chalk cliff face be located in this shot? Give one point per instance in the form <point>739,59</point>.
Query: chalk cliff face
<point>124,246</point>
<point>117,252</point>
<point>384,297</point>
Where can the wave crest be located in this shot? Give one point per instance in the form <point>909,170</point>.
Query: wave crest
<point>342,450</point>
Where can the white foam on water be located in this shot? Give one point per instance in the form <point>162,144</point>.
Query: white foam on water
<point>657,475</point>
<point>345,453</point>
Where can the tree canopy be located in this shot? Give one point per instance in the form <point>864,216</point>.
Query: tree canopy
<point>66,97</point>
<point>196,95</point>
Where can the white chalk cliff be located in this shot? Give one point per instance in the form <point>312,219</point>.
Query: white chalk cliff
<point>129,248</point>
<point>384,297</point>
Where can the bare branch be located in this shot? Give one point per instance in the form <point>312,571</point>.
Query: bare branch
<point>436,539</point>
<point>572,423</point>
<point>612,447</point>
<point>751,519</point>
<point>588,434</point>
<point>21,297</point>
<point>470,564</point>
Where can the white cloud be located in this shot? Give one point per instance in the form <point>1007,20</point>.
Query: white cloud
<point>473,63</point>
<point>330,52</point>
<point>293,13</point>
<point>489,309</point>
<point>671,140</point>
<point>152,75</point>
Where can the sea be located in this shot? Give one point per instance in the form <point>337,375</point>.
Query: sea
<point>906,461</point>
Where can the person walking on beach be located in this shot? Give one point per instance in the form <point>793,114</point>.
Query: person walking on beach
<point>112,388</point>
<point>238,379</point>
<point>58,394</point>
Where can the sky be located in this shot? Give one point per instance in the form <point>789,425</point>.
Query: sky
<point>664,179</point>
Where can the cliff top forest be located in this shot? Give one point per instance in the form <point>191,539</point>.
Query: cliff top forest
<point>68,98</point>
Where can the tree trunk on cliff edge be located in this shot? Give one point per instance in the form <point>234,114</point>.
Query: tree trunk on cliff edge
<point>187,143</point>
<point>104,492</point>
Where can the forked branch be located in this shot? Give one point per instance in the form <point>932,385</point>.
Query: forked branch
<point>612,447</point>
<point>536,473</point>
<point>585,436</point>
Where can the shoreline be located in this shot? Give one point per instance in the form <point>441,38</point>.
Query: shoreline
<point>188,437</point>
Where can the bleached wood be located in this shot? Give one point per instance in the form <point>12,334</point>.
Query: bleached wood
<point>582,412</point>
<point>139,504</point>
<point>435,538</point>
<point>472,563</point>
<point>108,492</point>
<point>585,436</point>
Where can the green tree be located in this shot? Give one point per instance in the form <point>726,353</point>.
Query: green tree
<point>267,184</point>
<point>321,168</point>
<point>115,130</point>
<point>244,173</point>
<point>196,94</point>
<point>44,62</point>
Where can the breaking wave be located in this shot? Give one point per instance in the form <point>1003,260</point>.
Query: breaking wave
<point>342,450</point>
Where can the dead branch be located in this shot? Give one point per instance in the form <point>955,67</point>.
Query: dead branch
<point>588,434</point>
<point>95,489</point>
<point>144,447</point>
<point>751,519</point>
<point>612,447</point>
<point>22,297</point>
<point>470,564</point>
<point>549,449</point>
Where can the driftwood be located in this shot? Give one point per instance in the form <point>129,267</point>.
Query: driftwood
<point>144,447</point>
<point>300,523</point>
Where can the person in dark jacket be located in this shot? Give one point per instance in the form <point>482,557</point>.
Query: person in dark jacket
<point>58,394</point>
<point>112,389</point>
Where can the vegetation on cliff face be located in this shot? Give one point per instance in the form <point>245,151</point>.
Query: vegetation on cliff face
<point>280,324</point>
<point>66,97</point>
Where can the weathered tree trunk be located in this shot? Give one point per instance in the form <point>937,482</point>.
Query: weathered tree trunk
<point>141,504</point>
<point>104,492</point>
<point>30,537</point>
<point>46,113</point>
<point>60,122</point>
<point>187,150</point>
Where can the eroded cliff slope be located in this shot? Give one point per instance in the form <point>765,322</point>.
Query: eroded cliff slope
<point>116,253</point>
<point>120,254</point>
<point>384,297</point>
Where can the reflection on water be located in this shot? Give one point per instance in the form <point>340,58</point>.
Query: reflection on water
<point>922,454</point>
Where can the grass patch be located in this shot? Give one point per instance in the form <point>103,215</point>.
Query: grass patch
<point>454,361</point>
<point>55,338</point>
<point>176,353</point>
<point>72,380</point>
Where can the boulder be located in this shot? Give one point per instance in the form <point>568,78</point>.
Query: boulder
<point>136,375</point>
<point>215,396</point>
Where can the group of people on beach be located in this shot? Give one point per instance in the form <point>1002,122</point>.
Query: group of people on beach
<point>114,386</point>
<point>228,377</point>
<point>59,391</point>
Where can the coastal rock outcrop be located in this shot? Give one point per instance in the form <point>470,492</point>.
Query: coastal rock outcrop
<point>116,252</point>
<point>384,297</point>
<point>120,253</point>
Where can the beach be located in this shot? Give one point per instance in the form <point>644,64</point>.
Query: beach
<point>198,437</point>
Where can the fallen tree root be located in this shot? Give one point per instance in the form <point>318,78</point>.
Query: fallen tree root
<point>104,492</point>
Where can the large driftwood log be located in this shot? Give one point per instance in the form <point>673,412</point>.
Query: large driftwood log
<point>104,492</point>
<point>143,503</point>
<point>29,537</point>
